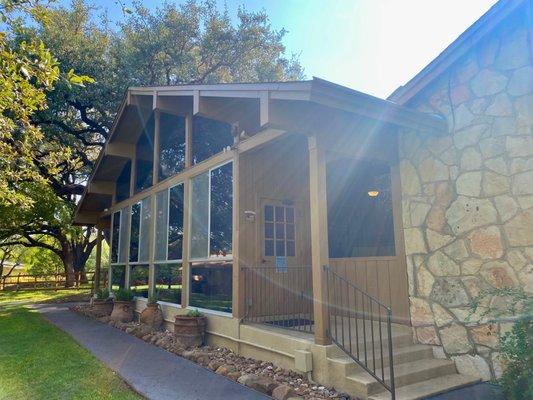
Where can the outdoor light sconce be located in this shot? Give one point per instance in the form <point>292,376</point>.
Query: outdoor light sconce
<point>249,216</point>
<point>373,193</point>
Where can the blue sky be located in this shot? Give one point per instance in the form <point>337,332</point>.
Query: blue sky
<point>370,45</point>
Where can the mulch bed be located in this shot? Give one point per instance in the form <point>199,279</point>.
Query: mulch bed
<point>263,376</point>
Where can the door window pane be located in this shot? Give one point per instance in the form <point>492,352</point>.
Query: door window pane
<point>209,137</point>
<point>211,286</point>
<point>282,231</point>
<point>200,216</point>
<point>171,145</point>
<point>134,232</point>
<point>115,237</point>
<point>168,282</point>
<point>360,219</point>
<point>144,153</point>
<point>139,280</point>
<point>146,218</point>
<point>124,240</point>
<point>221,211</point>
<point>161,224</point>
<point>175,223</point>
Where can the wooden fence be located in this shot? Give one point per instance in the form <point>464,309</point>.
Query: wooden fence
<point>50,281</point>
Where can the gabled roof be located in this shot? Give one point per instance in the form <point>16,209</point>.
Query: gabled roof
<point>266,103</point>
<point>469,38</point>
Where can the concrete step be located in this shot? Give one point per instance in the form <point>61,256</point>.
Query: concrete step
<point>404,374</point>
<point>345,365</point>
<point>430,387</point>
<point>398,340</point>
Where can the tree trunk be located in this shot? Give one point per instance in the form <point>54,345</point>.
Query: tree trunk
<point>68,264</point>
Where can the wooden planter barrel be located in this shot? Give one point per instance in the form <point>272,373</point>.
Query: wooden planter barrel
<point>102,307</point>
<point>122,311</point>
<point>152,316</point>
<point>190,331</point>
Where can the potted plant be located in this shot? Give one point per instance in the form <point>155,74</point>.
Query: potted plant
<point>152,314</point>
<point>189,329</point>
<point>102,304</point>
<point>123,306</point>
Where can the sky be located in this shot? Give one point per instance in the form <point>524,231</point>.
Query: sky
<point>373,46</point>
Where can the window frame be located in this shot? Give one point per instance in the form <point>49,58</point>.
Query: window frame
<point>271,203</point>
<point>210,258</point>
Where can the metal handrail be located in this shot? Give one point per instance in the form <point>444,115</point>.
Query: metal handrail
<point>340,291</point>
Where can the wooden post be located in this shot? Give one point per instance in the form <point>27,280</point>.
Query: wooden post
<point>151,247</point>
<point>98,263</point>
<point>319,237</point>
<point>155,165</point>
<point>185,266</point>
<point>238,289</point>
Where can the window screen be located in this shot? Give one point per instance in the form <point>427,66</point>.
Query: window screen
<point>209,137</point>
<point>279,232</point>
<point>360,218</point>
<point>211,213</point>
<point>144,161</point>
<point>161,224</point>
<point>211,285</point>
<point>175,223</point>
<point>171,145</point>
<point>139,280</point>
<point>168,282</point>
<point>123,183</point>
<point>134,231</point>
<point>115,237</point>
<point>146,218</point>
<point>118,277</point>
<point>124,242</point>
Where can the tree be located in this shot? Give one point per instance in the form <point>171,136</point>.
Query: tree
<point>189,43</point>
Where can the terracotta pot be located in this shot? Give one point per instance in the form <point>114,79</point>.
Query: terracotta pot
<point>152,316</point>
<point>122,311</point>
<point>102,307</point>
<point>190,331</point>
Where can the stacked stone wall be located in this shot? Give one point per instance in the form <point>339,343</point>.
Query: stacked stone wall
<point>467,198</point>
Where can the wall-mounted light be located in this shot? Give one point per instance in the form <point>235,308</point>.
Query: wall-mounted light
<point>197,278</point>
<point>373,193</point>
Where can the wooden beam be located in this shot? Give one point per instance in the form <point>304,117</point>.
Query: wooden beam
<point>188,140</point>
<point>238,308</point>
<point>319,237</point>
<point>185,264</point>
<point>259,139</point>
<point>155,164</point>
<point>87,218</point>
<point>102,187</point>
<point>120,149</point>
<point>98,263</point>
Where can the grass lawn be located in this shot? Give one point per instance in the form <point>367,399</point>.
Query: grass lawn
<point>39,361</point>
<point>44,296</point>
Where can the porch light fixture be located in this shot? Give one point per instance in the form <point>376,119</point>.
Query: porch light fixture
<point>373,193</point>
<point>197,278</point>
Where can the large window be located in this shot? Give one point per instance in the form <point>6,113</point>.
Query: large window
<point>168,282</point>
<point>360,218</point>
<point>209,137</point>
<point>211,286</point>
<point>171,145</point>
<point>144,157</point>
<point>118,277</point>
<point>123,183</point>
<point>211,213</point>
<point>119,236</point>
<point>169,224</point>
<point>139,231</point>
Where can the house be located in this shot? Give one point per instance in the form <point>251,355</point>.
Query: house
<point>319,227</point>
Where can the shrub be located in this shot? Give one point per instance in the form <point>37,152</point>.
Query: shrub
<point>124,295</point>
<point>102,294</point>
<point>152,299</point>
<point>194,313</point>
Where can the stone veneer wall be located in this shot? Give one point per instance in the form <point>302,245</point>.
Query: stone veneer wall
<point>467,198</point>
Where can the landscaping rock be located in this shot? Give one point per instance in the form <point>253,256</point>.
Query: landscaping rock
<point>260,383</point>
<point>283,392</point>
<point>225,369</point>
<point>234,376</point>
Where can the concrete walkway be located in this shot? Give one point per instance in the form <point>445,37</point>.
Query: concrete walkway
<point>151,371</point>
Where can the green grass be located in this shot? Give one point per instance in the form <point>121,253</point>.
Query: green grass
<point>39,361</point>
<point>44,296</point>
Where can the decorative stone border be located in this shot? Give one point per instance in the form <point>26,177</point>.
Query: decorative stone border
<point>262,376</point>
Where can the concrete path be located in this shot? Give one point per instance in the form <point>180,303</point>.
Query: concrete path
<point>151,371</point>
<point>479,391</point>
